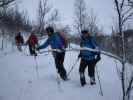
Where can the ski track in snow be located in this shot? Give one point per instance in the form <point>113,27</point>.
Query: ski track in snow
<point>19,81</point>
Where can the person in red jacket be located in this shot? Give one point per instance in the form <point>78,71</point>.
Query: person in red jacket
<point>32,43</point>
<point>19,41</point>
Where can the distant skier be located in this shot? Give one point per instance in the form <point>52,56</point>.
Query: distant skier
<point>32,43</point>
<point>88,58</point>
<point>56,41</point>
<point>19,41</point>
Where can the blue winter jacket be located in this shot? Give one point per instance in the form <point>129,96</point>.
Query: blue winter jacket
<point>88,42</point>
<point>55,41</point>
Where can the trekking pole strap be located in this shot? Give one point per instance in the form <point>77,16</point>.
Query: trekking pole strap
<point>37,73</point>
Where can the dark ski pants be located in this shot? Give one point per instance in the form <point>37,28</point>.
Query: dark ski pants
<point>32,50</point>
<point>91,67</point>
<point>59,60</point>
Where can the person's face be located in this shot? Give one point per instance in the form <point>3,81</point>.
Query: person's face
<point>19,34</point>
<point>49,33</point>
<point>86,34</point>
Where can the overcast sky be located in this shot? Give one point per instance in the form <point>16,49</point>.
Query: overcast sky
<point>102,8</point>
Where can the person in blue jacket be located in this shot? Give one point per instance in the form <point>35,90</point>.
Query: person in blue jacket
<point>56,42</point>
<point>88,58</point>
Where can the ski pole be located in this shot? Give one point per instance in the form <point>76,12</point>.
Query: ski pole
<point>25,47</point>
<point>25,51</point>
<point>37,73</point>
<point>58,79</point>
<point>101,92</point>
<point>73,67</point>
<point>59,82</point>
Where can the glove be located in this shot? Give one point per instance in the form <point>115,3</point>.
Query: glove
<point>98,57</point>
<point>37,48</point>
<point>79,56</point>
<point>98,49</point>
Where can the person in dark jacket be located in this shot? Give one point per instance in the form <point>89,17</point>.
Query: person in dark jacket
<point>19,41</point>
<point>32,43</point>
<point>56,42</point>
<point>88,58</point>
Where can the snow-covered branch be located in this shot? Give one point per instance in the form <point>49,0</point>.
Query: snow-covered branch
<point>89,49</point>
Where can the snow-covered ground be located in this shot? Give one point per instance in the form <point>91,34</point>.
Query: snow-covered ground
<point>19,80</point>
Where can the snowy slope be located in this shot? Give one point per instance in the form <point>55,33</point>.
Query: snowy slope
<point>19,80</point>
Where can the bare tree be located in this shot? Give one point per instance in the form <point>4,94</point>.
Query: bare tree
<point>54,17</point>
<point>5,2</point>
<point>80,15</point>
<point>124,12</point>
<point>83,19</point>
<point>92,23</point>
<point>43,10</point>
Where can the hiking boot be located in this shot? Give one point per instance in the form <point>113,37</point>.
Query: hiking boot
<point>64,77</point>
<point>92,81</point>
<point>82,79</point>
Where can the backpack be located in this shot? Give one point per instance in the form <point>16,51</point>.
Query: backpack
<point>19,39</point>
<point>64,39</point>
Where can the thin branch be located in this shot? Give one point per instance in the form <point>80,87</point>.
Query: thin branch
<point>118,70</point>
<point>130,85</point>
<point>127,11</point>
<point>129,16</point>
<point>122,4</point>
<point>5,2</point>
<point>117,6</point>
<point>130,3</point>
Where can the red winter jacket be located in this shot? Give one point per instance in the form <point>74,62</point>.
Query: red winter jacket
<point>33,40</point>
